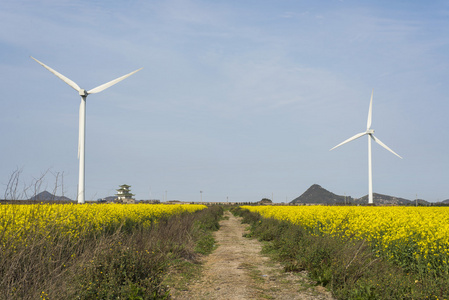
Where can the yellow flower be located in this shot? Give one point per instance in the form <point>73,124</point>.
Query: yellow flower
<point>394,231</point>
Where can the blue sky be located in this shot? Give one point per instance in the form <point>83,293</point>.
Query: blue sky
<point>238,99</point>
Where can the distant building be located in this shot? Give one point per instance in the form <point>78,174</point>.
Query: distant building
<point>124,195</point>
<point>108,199</point>
<point>151,201</point>
<point>174,202</point>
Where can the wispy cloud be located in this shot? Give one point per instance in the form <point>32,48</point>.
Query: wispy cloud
<point>226,84</point>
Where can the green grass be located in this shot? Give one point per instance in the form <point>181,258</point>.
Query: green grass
<point>182,273</point>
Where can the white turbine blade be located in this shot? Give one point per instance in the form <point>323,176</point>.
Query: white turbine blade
<point>350,139</point>
<point>111,83</point>
<point>370,112</point>
<point>385,146</point>
<point>59,75</point>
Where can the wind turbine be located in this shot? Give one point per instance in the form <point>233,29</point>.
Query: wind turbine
<point>370,133</point>
<point>82,119</point>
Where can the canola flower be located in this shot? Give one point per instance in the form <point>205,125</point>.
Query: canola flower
<point>406,235</point>
<point>18,221</point>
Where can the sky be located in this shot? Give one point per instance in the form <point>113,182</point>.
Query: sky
<point>241,100</point>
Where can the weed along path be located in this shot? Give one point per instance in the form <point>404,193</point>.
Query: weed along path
<point>237,270</point>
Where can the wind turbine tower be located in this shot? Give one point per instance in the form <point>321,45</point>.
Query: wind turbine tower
<point>82,120</point>
<point>370,133</point>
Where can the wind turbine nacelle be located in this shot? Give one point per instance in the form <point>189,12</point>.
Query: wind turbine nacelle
<point>370,131</point>
<point>83,93</point>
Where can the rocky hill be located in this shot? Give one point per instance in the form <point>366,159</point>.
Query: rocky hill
<point>318,195</point>
<point>384,199</point>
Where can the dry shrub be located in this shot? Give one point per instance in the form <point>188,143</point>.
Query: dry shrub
<point>127,263</point>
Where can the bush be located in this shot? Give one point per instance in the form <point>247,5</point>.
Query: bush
<point>123,270</point>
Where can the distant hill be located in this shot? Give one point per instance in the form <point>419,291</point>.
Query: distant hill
<point>47,196</point>
<point>265,201</point>
<point>385,199</point>
<point>318,195</point>
<point>445,201</point>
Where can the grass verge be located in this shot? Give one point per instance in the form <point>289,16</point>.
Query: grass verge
<point>183,271</point>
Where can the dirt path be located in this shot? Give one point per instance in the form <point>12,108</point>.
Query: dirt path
<point>237,270</point>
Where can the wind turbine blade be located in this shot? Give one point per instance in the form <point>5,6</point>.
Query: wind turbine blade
<point>370,112</point>
<point>111,83</point>
<point>350,139</point>
<point>59,75</point>
<point>385,146</point>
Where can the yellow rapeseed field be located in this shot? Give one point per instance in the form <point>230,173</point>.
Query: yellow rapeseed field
<point>18,221</point>
<point>414,234</point>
